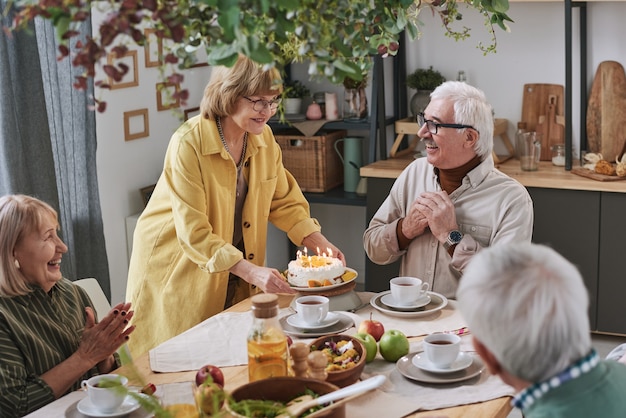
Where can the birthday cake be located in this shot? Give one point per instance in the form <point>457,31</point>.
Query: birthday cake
<point>315,270</point>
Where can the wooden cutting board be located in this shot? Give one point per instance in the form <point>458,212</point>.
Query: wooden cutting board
<point>595,176</point>
<point>606,111</point>
<point>535,103</point>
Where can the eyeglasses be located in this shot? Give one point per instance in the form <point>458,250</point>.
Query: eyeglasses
<point>259,105</point>
<point>433,126</point>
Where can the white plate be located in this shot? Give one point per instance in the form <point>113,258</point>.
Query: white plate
<point>463,361</point>
<point>344,323</point>
<point>391,302</point>
<point>324,288</point>
<point>295,321</point>
<point>437,303</point>
<point>85,407</point>
<point>406,367</point>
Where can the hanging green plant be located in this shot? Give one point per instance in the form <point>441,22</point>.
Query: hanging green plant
<point>337,38</point>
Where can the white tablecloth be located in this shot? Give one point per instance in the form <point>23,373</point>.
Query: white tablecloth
<point>220,340</point>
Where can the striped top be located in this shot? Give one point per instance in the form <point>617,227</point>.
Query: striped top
<point>37,332</point>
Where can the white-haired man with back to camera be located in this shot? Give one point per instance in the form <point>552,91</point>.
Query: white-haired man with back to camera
<point>527,308</point>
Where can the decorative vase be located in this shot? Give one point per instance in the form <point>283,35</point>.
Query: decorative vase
<point>314,112</point>
<point>292,105</point>
<point>355,104</point>
<point>419,101</point>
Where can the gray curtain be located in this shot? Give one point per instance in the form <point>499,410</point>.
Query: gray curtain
<point>48,144</point>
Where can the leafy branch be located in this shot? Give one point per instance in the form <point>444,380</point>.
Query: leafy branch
<point>337,37</point>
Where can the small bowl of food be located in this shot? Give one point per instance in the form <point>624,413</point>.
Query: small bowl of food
<point>346,357</point>
<point>268,397</point>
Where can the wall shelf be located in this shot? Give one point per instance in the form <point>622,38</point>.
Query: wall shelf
<point>336,196</point>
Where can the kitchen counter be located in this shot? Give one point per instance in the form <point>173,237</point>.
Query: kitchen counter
<point>548,176</point>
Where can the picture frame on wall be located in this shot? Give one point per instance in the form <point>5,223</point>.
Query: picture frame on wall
<point>166,99</point>
<point>153,48</point>
<point>131,78</point>
<point>136,124</point>
<point>146,193</point>
<point>191,112</point>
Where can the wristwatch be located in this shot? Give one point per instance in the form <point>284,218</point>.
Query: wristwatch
<point>454,237</point>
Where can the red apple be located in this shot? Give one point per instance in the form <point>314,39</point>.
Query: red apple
<point>372,327</point>
<point>209,370</point>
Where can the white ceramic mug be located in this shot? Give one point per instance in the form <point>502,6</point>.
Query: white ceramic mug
<point>442,349</point>
<point>407,290</point>
<point>105,399</point>
<point>312,310</point>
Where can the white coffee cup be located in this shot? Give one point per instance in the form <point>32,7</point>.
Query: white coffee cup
<point>105,399</point>
<point>407,290</point>
<point>442,349</point>
<point>312,310</point>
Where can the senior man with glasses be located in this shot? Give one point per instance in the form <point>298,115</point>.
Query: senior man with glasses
<point>446,207</point>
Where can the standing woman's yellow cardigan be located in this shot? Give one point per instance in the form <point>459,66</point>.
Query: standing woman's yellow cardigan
<point>182,248</point>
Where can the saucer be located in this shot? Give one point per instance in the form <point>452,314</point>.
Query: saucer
<point>463,361</point>
<point>391,302</point>
<point>85,407</point>
<point>295,321</point>
<point>407,368</point>
<point>437,303</point>
<point>345,322</point>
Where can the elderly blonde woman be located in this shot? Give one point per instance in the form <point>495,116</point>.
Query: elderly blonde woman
<point>199,245</point>
<point>527,308</point>
<point>49,338</point>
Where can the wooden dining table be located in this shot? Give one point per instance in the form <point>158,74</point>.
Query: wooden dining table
<point>236,376</point>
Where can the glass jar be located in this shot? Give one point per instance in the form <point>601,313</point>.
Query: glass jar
<point>267,343</point>
<point>558,154</point>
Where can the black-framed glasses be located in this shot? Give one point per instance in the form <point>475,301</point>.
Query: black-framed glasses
<point>259,105</point>
<point>433,126</point>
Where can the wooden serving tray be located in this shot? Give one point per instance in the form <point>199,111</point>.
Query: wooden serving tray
<point>595,176</point>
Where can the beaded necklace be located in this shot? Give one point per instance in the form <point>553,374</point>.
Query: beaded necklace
<point>245,142</point>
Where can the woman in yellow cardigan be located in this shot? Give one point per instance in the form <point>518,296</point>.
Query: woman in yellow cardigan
<point>199,245</point>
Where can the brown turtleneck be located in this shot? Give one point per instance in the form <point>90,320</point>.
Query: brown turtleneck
<point>450,180</point>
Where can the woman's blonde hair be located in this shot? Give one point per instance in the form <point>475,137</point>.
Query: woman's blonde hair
<point>228,84</point>
<point>19,215</point>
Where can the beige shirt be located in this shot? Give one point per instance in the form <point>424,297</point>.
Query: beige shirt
<point>490,208</point>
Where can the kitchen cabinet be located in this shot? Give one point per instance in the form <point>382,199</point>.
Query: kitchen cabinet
<point>611,282</point>
<point>568,221</point>
<point>582,219</point>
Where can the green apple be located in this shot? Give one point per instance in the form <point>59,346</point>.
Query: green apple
<point>393,345</point>
<point>371,348</point>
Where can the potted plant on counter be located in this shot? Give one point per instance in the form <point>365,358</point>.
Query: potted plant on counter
<point>424,81</point>
<point>295,91</point>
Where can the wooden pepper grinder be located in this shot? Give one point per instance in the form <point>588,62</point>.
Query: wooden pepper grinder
<point>317,365</point>
<point>299,353</point>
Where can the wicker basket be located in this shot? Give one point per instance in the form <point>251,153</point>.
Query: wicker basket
<point>312,160</point>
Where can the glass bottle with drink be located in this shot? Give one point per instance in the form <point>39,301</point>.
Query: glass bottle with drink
<point>267,343</point>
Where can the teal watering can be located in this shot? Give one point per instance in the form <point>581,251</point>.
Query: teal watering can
<point>352,160</point>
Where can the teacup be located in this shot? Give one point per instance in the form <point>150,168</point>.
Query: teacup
<point>102,393</point>
<point>442,349</point>
<point>312,310</point>
<point>407,290</point>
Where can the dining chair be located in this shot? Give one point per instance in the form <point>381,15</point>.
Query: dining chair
<point>96,294</point>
